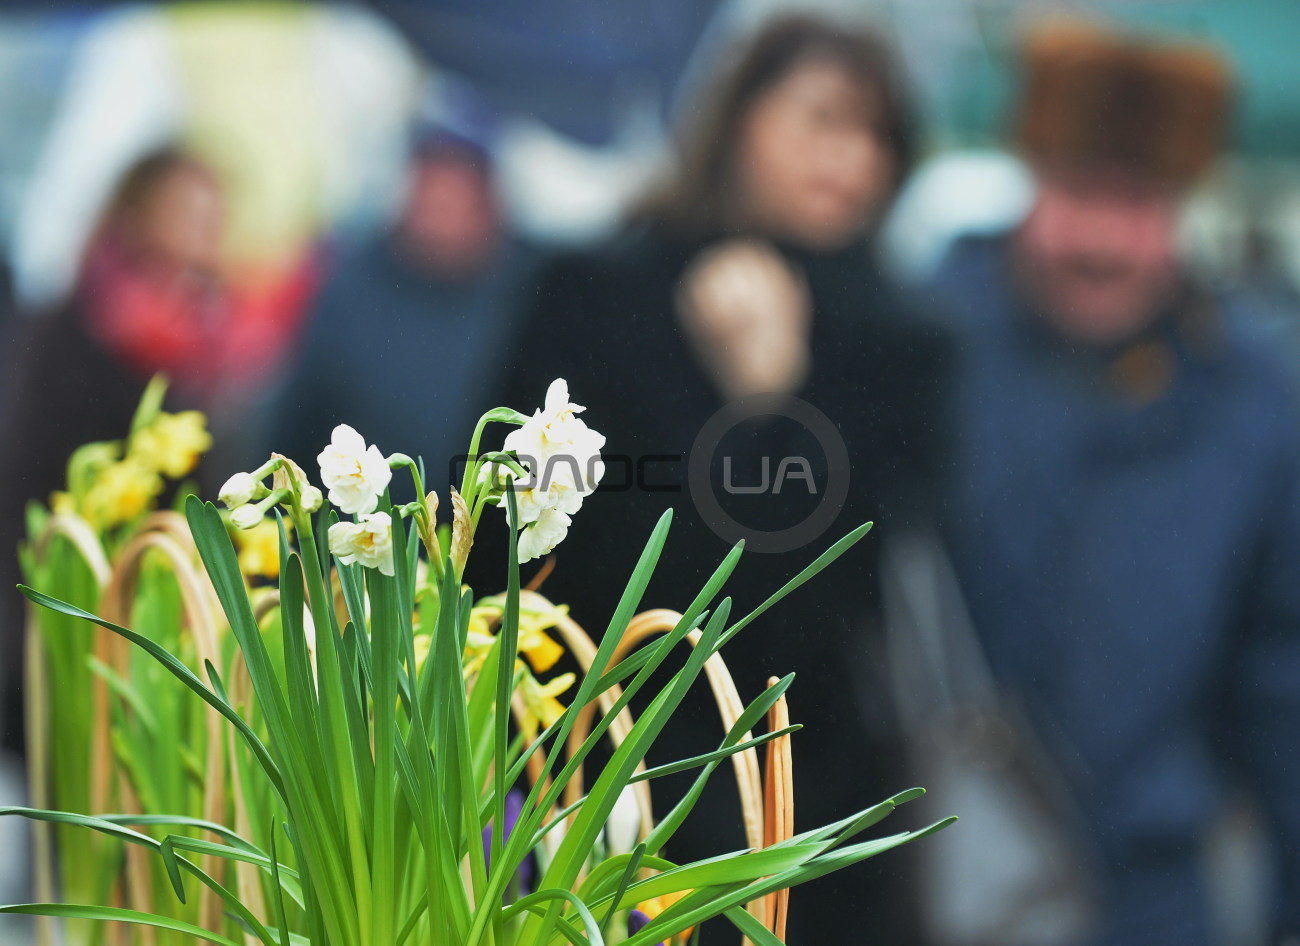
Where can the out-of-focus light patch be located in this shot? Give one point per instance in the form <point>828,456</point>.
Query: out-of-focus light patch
<point>1243,221</point>
<point>557,190</point>
<point>322,145</point>
<point>15,833</point>
<point>1286,220</point>
<point>951,195</point>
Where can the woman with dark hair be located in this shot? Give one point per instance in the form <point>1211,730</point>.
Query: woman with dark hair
<point>800,82</point>
<point>150,297</point>
<point>750,272</point>
<point>153,293</point>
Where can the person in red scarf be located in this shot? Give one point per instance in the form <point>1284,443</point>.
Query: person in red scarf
<point>151,297</point>
<point>152,294</point>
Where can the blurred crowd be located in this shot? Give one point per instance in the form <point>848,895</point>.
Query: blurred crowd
<point>1077,620</point>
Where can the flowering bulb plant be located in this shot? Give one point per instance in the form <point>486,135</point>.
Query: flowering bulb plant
<point>97,714</point>
<point>402,769</point>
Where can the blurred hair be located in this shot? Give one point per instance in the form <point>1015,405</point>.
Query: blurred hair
<point>143,178</point>
<point>694,199</point>
<point>438,143</point>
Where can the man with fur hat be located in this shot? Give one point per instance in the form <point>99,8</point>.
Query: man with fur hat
<point>1125,520</point>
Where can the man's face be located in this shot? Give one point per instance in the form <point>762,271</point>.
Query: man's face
<point>1097,251</point>
<point>450,222</point>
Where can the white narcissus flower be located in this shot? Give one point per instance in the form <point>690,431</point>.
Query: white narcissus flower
<point>239,490</point>
<point>494,476</point>
<point>543,535</point>
<point>356,475</point>
<point>562,453</point>
<point>533,502</point>
<point>369,541</point>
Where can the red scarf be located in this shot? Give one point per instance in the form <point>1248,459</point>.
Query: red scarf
<point>204,335</point>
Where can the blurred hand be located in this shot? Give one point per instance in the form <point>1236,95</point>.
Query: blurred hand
<point>747,313</point>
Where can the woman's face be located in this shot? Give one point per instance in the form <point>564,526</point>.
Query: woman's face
<point>812,165</point>
<point>180,222</point>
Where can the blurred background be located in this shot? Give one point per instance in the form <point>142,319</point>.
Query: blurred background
<point>254,154</point>
<point>305,111</point>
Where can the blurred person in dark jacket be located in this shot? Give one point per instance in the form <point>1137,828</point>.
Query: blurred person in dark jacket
<point>751,272</point>
<point>1126,522</point>
<point>413,318</point>
<point>150,298</point>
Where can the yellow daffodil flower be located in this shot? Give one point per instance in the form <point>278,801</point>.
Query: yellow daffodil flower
<point>534,643</point>
<point>541,708</point>
<point>536,616</point>
<point>478,643</point>
<point>259,549</point>
<point>483,619</point>
<point>120,492</point>
<point>172,443</point>
<point>657,905</point>
<point>86,462</point>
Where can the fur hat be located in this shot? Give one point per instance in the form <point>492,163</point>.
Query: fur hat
<point>1094,97</point>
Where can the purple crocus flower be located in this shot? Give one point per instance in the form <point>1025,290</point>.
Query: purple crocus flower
<point>636,921</point>
<point>514,808</point>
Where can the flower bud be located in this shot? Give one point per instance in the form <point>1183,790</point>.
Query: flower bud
<point>246,517</point>
<point>624,823</point>
<point>311,498</point>
<point>238,490</point>
<point>462,531</point>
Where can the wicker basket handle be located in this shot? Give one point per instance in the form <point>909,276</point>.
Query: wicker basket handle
<point>167,534</point>
<point>661,621</point>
